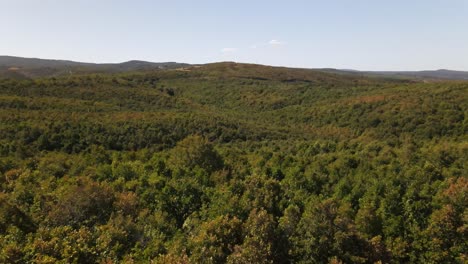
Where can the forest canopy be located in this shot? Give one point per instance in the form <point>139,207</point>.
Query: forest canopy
<point>233,163</point>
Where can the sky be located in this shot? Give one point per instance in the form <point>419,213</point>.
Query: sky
<point>343,34</point>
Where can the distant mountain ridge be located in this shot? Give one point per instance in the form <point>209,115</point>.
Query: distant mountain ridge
<point>437,74</point>
<point>26,68</point>
<point>441,74</point>
<point>18,67</point>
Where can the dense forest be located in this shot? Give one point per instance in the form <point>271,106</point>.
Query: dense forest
<point>233,163</point>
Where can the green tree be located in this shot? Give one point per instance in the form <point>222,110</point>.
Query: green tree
<point>326,231</point>
<point>215,240</point>
<point>260,242</point>
<point>83,203</point>
<point>195,151</point>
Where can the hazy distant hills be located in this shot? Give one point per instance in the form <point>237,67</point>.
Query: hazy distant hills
<point>18,68</point>
<point>25,68</point>
<point>425,75</point>
<point>439,74</point>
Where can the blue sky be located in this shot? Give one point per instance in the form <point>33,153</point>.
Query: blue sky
<point>351,34</point>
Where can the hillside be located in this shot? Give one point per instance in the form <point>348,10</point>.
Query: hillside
<point>231,163</point>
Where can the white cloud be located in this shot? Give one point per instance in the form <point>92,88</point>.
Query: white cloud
<point>275,42</point>
<point>271,43</point>
<point>229,50</point>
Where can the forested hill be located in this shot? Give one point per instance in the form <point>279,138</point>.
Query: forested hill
<point>232,163</point>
